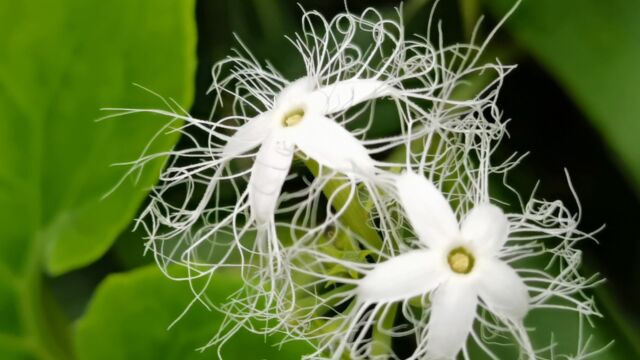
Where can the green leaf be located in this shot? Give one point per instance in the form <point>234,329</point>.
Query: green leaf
<point>61,62</point>
<point>591,48</point>
<point>562,329</point>
<point>130,313</point>
<point>55,159</point>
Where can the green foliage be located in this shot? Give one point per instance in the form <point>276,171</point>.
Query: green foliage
<point>591,48</point>
<point>83,56</point>
<point>560,329</point>
<point>129,315</point>
<point>62,61</point>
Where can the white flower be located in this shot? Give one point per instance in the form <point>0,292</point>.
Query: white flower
<point>300,119</point>
<point>460,264</point>
<point>458,281</point>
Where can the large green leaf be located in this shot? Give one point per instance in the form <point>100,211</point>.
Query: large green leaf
<point>591,48</point>
<point>61,62</point>
<point>130,313</point>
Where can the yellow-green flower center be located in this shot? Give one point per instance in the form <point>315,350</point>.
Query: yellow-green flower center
<point>293,117</point>
<point>461,260</point>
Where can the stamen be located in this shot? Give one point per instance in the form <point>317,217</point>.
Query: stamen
<point>293,117</point>
<point>461,260</point>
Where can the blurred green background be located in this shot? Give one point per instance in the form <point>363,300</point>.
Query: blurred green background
<point>73,280</point>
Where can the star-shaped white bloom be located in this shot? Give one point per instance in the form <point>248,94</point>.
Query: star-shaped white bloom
<point>454,283</point>
<point>459,265</point>
<point>300,120</point>
<point>350,61</point>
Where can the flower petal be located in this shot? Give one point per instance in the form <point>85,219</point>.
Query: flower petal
<point>486,227</point>
<point>268,173</point>
<point>331,145</point>
<point>248,136</point>
<point>453,311</point>
<point>344,94</point>
<point>293,95</point>
<point>428,211</point>
<point>502,290</point>
<point>402,277</point>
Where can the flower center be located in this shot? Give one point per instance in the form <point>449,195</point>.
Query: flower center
<point>461,260</point>
<point>293,117</point>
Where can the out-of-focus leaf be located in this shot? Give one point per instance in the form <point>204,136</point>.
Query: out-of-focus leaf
<point>591,47</point>
<point>561,329</point>
<point>66,61</point>
<point>129,315</point>
<point>61,62</point>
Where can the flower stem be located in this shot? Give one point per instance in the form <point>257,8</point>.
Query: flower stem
<point>354,215</point>
<point>470,13</point>
<point>381,340</point>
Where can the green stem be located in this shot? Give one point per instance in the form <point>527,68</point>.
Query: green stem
<point>48,335</point>
<point>354,216</point>
<point>380,341</point>
<point>470,11</point>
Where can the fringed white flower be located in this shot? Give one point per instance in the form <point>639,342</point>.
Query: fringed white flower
<point>459,281</point>
<point>460,264</point>
<point>299,120</point>
<point>217,201</point>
